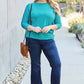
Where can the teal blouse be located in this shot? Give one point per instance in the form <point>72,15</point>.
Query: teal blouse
<point>42,14</point>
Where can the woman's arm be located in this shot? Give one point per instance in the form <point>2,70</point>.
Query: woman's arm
<point>53,27</point>
<point>30,28</point>
<point>57,23</point>
<point>24,22</point>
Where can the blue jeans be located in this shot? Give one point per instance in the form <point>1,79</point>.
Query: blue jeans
<point>51,53</point>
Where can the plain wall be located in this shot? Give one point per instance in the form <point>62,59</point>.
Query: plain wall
<point>11,34</point>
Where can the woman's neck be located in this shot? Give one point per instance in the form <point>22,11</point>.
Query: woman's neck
<point>42,1</point>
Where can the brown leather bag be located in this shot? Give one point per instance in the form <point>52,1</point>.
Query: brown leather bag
<point>23,46</point>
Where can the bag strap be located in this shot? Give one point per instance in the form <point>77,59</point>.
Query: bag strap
<point>30,22</point>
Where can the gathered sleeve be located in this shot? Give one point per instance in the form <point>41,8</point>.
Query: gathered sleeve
<point>57,21</point>
<point>24,21</point>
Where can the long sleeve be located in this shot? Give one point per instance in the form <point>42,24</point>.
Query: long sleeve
<point>24,22</point>
<point>42,14</point>
<point>58,21</point>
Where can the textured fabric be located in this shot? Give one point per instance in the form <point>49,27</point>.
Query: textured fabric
<point>42,14</point>
<point>50,50</point>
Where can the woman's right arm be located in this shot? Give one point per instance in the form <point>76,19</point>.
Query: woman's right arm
<point>24,22</point>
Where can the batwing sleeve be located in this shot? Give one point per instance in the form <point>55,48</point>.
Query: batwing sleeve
<point>24,21</point>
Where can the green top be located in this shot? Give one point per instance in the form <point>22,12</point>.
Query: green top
<point>42,14</point>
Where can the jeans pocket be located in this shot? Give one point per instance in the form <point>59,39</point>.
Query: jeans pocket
<point>30,41</point>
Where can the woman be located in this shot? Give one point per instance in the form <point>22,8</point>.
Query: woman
<point>45,19</point>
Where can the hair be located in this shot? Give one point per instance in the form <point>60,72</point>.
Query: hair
<point>54,5</point>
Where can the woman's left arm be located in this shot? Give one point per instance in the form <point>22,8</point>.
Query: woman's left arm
<point>57,23</point>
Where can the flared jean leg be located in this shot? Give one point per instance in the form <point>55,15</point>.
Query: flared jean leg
<point>51,52</point>
<point>35,54</point>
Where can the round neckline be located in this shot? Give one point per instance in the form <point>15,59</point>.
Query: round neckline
<point>40,3</point>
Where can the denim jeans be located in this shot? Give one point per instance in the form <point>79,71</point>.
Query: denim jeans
<point>50,51</point>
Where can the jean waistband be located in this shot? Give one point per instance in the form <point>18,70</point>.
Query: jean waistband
<point>38,39</point>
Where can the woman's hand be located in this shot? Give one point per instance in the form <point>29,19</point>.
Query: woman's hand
<point>50,27</point>
<point>37,29</point>
<point>46,29</point>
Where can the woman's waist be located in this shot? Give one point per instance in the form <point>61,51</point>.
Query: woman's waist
<point>40,35</point>
<point>49,32</point>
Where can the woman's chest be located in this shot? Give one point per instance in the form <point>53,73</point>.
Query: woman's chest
<point>42,12</point>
